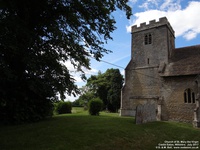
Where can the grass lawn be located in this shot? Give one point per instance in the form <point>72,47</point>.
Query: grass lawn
<point>80,131</point>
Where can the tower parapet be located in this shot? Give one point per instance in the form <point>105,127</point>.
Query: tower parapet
<point>152,24</point>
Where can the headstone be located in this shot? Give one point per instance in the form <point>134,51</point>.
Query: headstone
<point>145,113</point>
<point>139,114</point>
<point>196,122</point>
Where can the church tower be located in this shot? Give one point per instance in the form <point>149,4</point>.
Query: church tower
<point>151,48</point>
<point>152,43</point>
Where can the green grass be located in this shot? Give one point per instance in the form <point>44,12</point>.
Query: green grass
<point>80,131</point>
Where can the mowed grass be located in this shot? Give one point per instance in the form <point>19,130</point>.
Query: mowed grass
<point>80,131</point>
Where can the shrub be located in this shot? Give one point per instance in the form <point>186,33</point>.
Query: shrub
<point>63,107</point>
<point>95,106</point>
<point>25,110</point>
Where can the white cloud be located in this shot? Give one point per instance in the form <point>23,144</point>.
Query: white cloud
<point>148,4</point>
<point>122,72</point>
<point>92,71</point>
<point>190,35</point>
<point>71,97</point>
<point>133,1</point>
<point>145,5</point>
<point>77,75</point>
<point>185,22</point>
<point>170,5</point>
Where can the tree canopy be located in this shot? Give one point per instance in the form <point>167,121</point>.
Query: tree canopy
<point>106,86</point>
<point>37,37</point>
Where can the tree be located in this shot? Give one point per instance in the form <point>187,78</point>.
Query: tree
<point>114,92</point>
<point>84,99</point>
<point>36,38</point>
<point>107,86</point>
<point>98,85</point>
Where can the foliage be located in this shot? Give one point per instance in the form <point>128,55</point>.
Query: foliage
<point>84,99</point>
<point>26,111</point>
<point>95,106</point>
<point>76,103</point>
<point>36,38</point>
<point>63,107</point>
<point>114,91</point>
<point>107,86</point>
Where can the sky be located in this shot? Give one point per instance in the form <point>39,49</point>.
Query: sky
<point>183,15</point>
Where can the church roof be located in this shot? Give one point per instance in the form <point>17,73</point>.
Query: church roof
<point>183,61</point>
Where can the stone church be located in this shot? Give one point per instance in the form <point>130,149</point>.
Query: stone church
<point>161,76</point>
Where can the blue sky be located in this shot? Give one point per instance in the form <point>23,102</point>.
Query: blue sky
<point>183,15</point>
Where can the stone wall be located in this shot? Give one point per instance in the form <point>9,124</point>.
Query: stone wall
<point>138,88</point>
<point>151,54</point>
<point>173,107</point>
<point>152,24</point>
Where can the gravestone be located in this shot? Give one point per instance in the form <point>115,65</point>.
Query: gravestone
<point>145,113</point>
<point>196,121</point>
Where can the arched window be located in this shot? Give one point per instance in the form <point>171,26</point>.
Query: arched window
<point>189,96</point>
<point>150,39</point>
<point>147,39</point>
<point>193,97</point>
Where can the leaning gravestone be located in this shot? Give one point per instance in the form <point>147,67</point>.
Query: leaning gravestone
<point>145,113</point>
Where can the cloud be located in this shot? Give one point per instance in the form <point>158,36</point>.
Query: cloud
<point>148,4</point>
<point>71,97</point>
<point>190,35</point>
<point>185,21</point>
<point>133,1</point>
<point>169,5</point>
<point>77,75</point>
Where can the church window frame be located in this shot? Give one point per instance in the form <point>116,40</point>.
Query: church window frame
<point>189,96</point>
<point>148,39</point>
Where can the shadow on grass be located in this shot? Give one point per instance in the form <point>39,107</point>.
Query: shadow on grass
<point>82,131</point>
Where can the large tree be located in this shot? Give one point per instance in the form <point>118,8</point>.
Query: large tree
<point>36,38</point>
<point>114,92</point>
<point>107,86</point>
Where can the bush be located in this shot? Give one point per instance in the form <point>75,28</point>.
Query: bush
<point>25,110</point>
<point>63,107</point>
<point>95,106</point>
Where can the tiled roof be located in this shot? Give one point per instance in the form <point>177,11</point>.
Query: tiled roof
<point>183,61</point>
